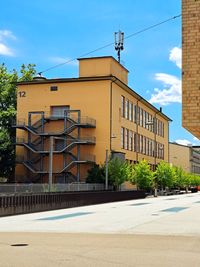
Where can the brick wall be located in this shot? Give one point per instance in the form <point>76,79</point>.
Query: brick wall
<point>191,66</point>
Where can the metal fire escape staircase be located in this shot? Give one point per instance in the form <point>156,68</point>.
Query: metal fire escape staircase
<point>72,140</point>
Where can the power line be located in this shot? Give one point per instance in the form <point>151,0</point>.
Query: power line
<point>107,45</point>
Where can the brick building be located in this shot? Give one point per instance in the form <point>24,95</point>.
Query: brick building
<point>191,66</point>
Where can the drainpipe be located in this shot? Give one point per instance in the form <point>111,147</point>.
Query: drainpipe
<point>111,93</point>
<point>137,123</point>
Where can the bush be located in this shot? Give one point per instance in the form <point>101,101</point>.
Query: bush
<point>96,175</point>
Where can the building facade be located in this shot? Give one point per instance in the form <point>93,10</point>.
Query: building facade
<point>191,66</point>
<point>186,157</point>
<point>64,126</point>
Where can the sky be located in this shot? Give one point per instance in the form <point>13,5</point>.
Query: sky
<point>48,32</point>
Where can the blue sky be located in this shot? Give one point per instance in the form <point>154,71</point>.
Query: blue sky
<point>47,32</point>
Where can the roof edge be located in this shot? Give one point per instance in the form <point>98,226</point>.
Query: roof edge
<point>97,78</point>
<point>86,58</point>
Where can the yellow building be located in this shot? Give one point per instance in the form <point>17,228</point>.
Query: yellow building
<point>85,117</point>
<point>186,157</point>
<point>191,66</point>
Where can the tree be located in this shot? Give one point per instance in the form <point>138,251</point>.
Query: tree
<point>7,114</point>
<point>181,179</point>
<point>117,172</point>
<point>142,175</point>
<point>164,175</point>
<point>194,179</point>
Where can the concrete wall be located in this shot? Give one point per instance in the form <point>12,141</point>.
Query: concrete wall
<point>19,204</point>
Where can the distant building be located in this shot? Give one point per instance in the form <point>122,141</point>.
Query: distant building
<point>86,116</point>
<point>186,157</point>
<point>191,66</point>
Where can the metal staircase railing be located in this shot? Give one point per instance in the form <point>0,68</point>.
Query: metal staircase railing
<point>83,122</point>
<point>72,122</point>
<point>85,140</point>
<point>87,158</point>
<point>30,166</point>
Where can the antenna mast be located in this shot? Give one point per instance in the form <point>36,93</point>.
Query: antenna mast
<point>119,43</point>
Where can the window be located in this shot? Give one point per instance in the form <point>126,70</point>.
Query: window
<point>54,88</point>
<point>59,111</point>
<point>158,127</point>
<point>135,142</point>
<point>144,145</point>
<point>138,115</point>
<point>150,148</point>
<point>131,140</point>
<point>141,117</point>
<point>135,113</point>
<point>138,143</point>
<point>141,143</point>
<point>130,111</point>
<point>126,138</point>
<point>161,151</point>
<point>127,110</point>
<point>122,137</point>
<point>163,130</point>
<point>151,124</point>
<point>156,146</point>
<point>145,119</point>
<point>122,106</point>
<point>155,126</point>
<point>147,146</point>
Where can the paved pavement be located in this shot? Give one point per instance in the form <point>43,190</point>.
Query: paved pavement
<point>172,215</point>
<point>162,231</point>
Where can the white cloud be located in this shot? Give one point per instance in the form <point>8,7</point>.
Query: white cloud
<point>183,142</point>
<point>5,50</point>
<point>195,139</point>
<point>171,93</point>
<point>62,60</point>
<point>176,56</point>
<point>6,34</point>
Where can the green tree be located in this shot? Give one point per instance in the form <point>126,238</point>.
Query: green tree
<point>142,175</point>
<point>194,179</point>
<point>117,172</point>
<point>130,170</point>
<point>164,175</point>
<point>7,115</point>
<point>181,178</point>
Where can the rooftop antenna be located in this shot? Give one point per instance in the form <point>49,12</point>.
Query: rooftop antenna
<point>119,43</point>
